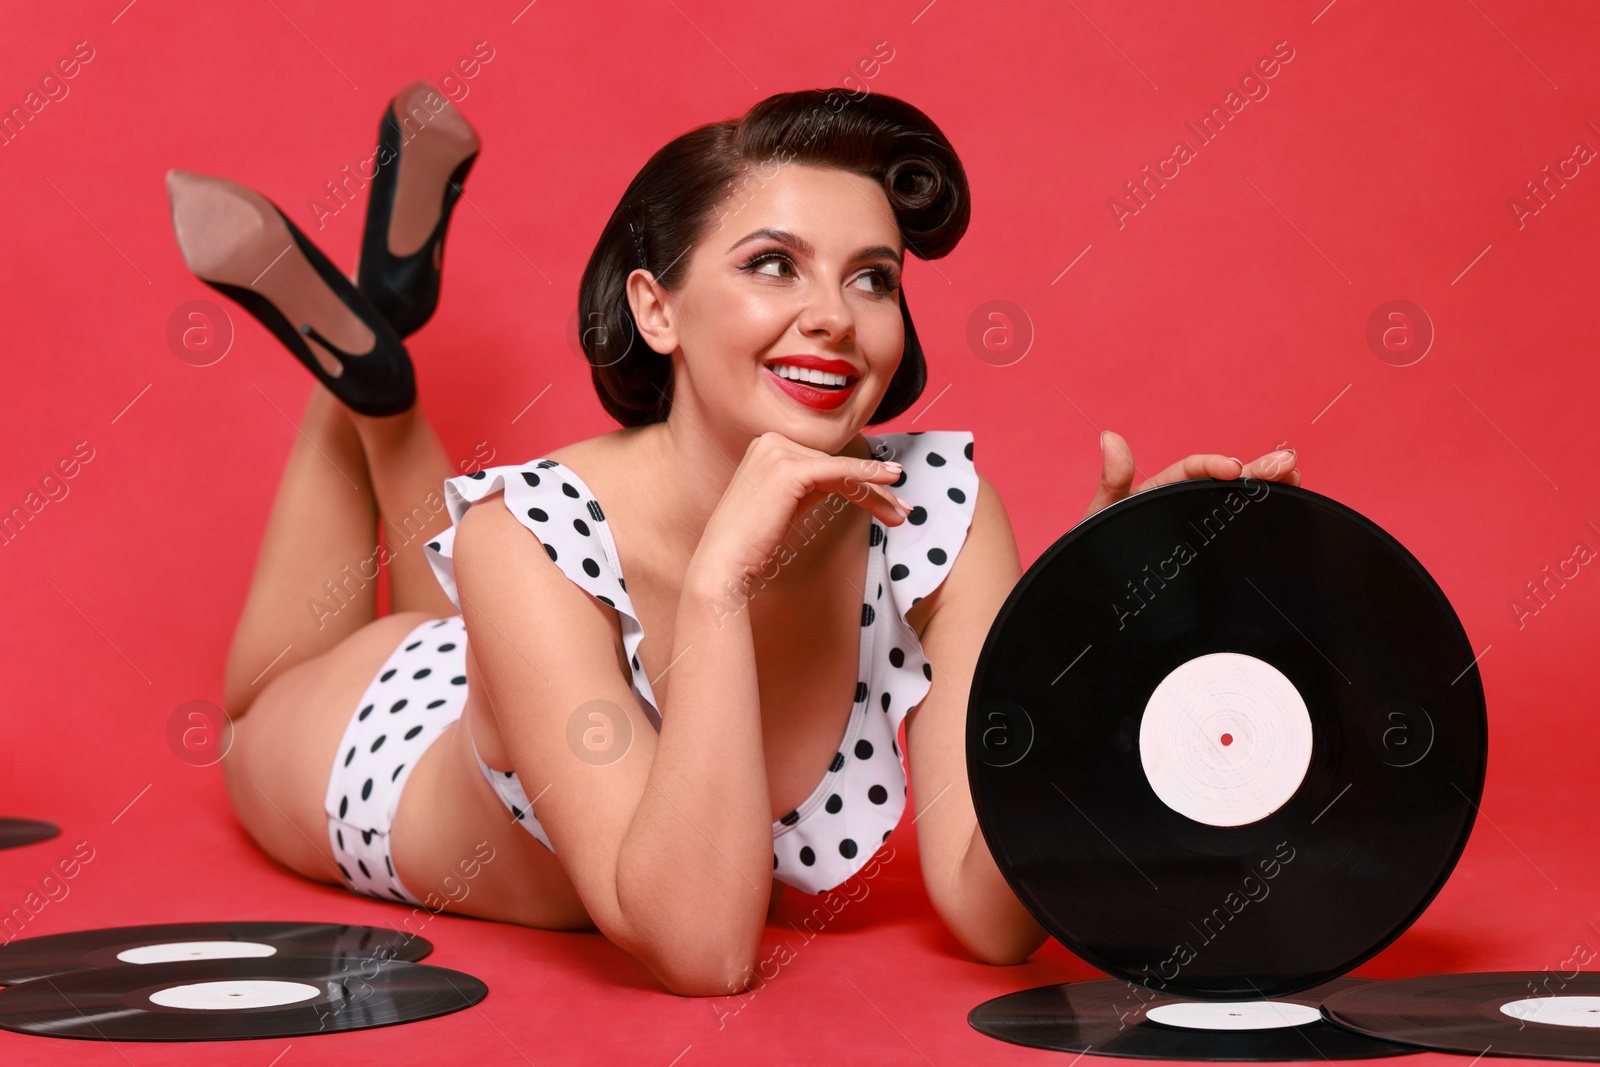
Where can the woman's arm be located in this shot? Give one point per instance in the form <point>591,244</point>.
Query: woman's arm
<point>668,844</point>
<point>696,864</point>
<point>966,888</point>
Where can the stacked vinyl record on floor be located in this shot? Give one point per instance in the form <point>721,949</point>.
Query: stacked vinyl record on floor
<point>223,981</point>
<point>1226,741</point>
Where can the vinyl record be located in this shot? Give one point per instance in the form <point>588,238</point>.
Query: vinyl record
<point>114,946</point>
<point>14,832</point>
<point>1226,739</point>
<point>232,999</point>
<point>1113,1018</point>
<point>1551,1015</point>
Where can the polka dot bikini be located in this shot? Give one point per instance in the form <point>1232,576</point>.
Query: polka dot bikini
<point>861,795</point>
<point>420,689</point>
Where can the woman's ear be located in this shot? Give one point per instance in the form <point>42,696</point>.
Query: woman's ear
<point>652,312</point>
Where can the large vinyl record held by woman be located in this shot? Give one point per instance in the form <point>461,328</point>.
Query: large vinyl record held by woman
<point>1226,739</point>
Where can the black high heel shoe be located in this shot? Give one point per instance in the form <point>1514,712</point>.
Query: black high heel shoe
<point>404,287</point>
<point>240,244</point>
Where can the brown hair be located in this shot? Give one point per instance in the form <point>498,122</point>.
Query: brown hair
<point>670,204</point>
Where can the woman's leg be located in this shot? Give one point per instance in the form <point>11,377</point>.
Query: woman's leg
<point>452,843</point>
<point>315,580</point>
<point>408,467</point>
<point>307,594</point>
<point>282,755</point>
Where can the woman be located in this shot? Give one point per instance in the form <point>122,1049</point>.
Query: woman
<point>646,717</point>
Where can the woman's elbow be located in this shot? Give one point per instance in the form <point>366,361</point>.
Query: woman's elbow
<point>705,975</point>
<point>708,964</point>
<point>1002,947</point>
<point>1011,955</point>
<point>692,949</point>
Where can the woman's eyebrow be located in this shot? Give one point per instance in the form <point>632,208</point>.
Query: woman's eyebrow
<point>805,248</point>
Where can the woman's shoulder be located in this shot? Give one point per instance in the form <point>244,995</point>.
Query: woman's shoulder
<point>922,442</point>
<point>600,451</point>
<point>938,474</point>
<point>941,484</point>
<point>557,503</point>
<point>592,460</point>
<point>932,447</point>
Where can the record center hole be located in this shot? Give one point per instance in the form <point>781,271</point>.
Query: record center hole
<point>1227,739</point>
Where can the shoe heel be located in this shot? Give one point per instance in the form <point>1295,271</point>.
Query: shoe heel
<point>438,149</point>
<point>239,243</point>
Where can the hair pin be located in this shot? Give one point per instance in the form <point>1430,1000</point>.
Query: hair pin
<point>638,242</point>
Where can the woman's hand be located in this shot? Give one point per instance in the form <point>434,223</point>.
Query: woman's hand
<point>1116,470</point>
<point>777,479</point>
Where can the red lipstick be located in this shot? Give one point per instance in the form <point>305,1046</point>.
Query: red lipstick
<point>818,398</point>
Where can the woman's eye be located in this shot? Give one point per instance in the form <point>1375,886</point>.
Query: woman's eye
<point>883,283</point>
<point>879,282</point>
<point>771,261</point>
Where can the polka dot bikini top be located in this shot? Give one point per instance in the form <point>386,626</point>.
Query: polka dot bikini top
<point>837,829</point>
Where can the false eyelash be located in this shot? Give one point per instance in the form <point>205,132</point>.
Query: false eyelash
<point>890,276</point>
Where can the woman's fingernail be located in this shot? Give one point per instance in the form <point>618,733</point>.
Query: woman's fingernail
<point>894,466</point>
<point>905,505</point>
<point>1102,442</point>
<point>1237,460</point>
<point>1287,454</point>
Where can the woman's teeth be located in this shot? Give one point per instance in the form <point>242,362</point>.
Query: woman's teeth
<point>811,377</point>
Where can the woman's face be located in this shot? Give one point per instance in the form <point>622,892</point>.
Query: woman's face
<point>803,261</point>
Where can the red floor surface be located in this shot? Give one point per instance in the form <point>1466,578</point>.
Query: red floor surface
<point>1439,153</point>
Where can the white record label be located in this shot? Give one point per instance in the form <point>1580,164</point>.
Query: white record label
<point>168,951</point>
<point>1233,1015</point>
<point>233,995</point>
<point>1556,1010</point>
<point>1225,739</point>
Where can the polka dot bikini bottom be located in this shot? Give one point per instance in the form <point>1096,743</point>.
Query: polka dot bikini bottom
<point>420,689</point>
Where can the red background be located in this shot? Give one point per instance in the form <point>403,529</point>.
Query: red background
<point>1228,315</point>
